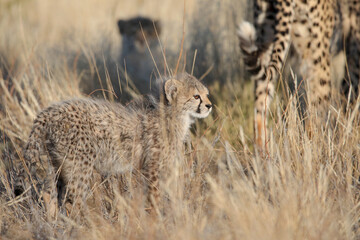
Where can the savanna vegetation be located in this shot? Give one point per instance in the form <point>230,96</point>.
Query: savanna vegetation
<point>304,186</point>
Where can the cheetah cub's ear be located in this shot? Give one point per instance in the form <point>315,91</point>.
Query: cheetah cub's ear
<point>172,88</point>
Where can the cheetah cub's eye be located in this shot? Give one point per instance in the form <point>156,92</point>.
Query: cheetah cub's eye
<point>196,96</point>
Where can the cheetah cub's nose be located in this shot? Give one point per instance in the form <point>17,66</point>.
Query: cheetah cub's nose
<point>208,106</point>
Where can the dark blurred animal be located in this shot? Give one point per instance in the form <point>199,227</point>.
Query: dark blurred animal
<point>141,56</point>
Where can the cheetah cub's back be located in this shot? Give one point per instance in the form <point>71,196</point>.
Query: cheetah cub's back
<point>84,135</point>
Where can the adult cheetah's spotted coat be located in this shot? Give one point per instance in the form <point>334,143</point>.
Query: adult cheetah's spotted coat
<point>309,26</point>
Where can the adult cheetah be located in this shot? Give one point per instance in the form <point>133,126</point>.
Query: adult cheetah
<point>309,26</point>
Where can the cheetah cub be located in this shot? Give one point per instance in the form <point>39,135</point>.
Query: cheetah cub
<point>84,135</point>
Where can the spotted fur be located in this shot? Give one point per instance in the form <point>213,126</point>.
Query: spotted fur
<point>85,135</point>
<point>309,26</point>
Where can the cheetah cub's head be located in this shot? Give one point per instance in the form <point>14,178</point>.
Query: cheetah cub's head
<point>188,95</point>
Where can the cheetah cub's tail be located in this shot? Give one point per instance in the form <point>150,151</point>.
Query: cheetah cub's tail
<point>45,189</point>
<point>31,152</point>
<point>34,145</point>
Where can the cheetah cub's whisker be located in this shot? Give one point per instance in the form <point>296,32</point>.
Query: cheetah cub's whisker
<point>83,135</point>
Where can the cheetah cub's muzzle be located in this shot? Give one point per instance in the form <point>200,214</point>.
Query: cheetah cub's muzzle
<point>203,105</point>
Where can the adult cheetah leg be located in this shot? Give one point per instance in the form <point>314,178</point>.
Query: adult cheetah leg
<point>316,58</point>
<point>264,51</point>
<point>264,84</point>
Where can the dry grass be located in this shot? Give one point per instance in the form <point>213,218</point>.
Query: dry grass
<point>301,189</point>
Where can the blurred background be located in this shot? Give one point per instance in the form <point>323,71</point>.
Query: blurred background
<point>80,40</point>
